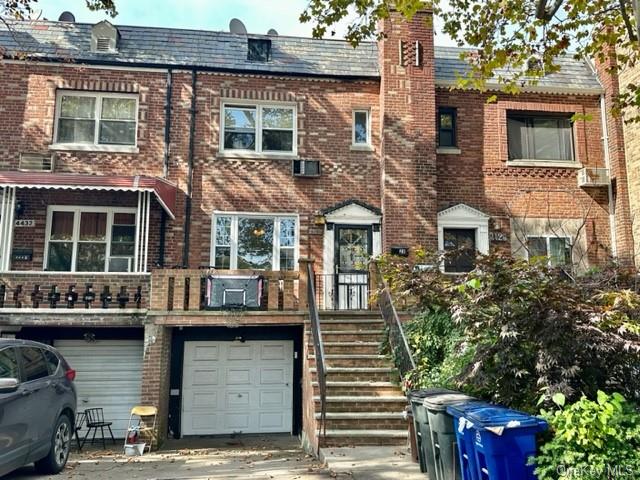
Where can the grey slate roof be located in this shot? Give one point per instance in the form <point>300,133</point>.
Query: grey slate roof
<point>226,51</point>
<point>574,75</point>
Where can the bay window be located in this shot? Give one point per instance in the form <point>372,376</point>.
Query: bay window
<point>91,118</point>
<point>254,242</point>
<point>259,128</point>
<point>90,239</point>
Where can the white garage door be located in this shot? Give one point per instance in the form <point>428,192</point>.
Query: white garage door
<point>233,387</point>
<point>108,376</point>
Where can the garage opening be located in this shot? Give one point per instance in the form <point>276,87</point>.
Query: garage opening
<point>235,381</point>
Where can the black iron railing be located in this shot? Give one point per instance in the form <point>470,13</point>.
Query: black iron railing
<point>342,291</point>
<point>318,348</point>
<point>397,340</point>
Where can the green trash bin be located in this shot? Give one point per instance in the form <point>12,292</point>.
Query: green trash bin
<point>442,434</point>
<point>421,427</point>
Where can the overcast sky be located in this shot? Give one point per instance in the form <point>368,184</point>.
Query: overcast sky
<point>258,15</point>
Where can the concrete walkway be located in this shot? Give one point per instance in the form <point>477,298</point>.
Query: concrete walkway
<point>276,457</point>
<point>371,463</point>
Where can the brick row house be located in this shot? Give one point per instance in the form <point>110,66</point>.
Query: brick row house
<point>154,180</point>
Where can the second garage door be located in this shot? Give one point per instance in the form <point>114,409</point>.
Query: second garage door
<point>235,387</point>
<point>108,376</point>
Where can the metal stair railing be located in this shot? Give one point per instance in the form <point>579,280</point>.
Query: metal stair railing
<point>318,347</point>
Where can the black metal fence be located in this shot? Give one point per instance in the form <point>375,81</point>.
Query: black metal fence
<point>342,291</point>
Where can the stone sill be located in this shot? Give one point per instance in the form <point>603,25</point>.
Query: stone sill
<point>362,148</point>
<point>544,164</point>
<point>70,147</point>
<point>448,151</point>
<point>256,156</point>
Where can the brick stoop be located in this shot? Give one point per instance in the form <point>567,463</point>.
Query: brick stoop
<point>365,403</point>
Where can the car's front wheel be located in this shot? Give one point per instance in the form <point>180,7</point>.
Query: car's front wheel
<point>57,457</point>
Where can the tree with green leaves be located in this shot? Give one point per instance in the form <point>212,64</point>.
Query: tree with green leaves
<point>25,9</point>
<point>515,42</point>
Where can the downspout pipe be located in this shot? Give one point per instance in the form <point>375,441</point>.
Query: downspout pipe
<point>167,124</point>
<point>607,164</point>
<point>187,207</point>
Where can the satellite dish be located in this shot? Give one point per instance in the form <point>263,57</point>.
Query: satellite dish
<point>237,27</point>
<point>67,17</point>
<point>272,32</point>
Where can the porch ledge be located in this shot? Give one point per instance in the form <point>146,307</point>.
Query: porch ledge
<point>74,311</point>
<point>224,318</point>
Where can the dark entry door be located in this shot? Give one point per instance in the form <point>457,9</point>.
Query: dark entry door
<point>460,243</point>
<point>352,253</point>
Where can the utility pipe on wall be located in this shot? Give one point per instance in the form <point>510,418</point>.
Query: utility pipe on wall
<point>187,207</point>
<point>607,164</point>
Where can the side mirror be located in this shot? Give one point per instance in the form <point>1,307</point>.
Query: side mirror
<point>8,385</point>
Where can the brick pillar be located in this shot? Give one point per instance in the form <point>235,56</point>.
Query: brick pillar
<point>608,74</point>
<point>408,152</point>
<point>156,372</point>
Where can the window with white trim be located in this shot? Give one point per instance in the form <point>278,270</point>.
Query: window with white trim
<point>556,249</point>
<point>91,118</point>
<point>90,239</point>
<point>361,128</point>
<point>260,242</point>
<point>259,128</point>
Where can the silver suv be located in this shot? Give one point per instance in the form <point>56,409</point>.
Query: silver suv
<point>37,406</point>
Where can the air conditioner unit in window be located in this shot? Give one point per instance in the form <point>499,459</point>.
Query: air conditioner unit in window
<point>593,177</point>
<point>306,168</point>
<point>36,162</point>
<point>233,292</point>
<point>120,264</point>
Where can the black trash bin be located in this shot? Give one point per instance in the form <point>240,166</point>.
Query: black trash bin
<point>442,436</point>
<point>421,427</point>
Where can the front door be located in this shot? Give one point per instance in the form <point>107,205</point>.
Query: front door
<point>353,250</point>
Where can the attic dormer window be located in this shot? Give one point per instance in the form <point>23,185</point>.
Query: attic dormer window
<point>259,50</point>
<point>104,38</point>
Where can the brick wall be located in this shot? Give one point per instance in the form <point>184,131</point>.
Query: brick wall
<point>479,175</point>
<point>407,105</point>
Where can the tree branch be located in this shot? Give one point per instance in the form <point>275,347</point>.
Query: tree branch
<point>627,21</point>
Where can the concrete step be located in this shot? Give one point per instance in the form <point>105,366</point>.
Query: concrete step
<point>364,403</point>
<point>358,388</point>
<point>352,324</point>
<point>363,437</point>
<point>351,336</point>
<point>364,421</point>
<point>336,348</point>
<point>364,374</point>
<point>359,360</point>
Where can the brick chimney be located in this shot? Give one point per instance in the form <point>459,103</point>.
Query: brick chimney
<point>407,106</point>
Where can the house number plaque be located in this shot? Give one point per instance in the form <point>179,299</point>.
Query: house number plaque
<point>25,223</point>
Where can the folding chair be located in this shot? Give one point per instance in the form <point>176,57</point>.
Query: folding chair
<point>81,418</point>
<point>95,421</point>
<point>142,421</point>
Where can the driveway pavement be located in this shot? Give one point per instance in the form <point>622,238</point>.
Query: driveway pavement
<point>261,457</point>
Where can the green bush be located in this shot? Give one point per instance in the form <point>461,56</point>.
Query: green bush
<point>438,348</point>
<point>594,440</point>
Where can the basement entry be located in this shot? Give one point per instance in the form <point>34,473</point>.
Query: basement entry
<point>237,387</point>
<point>108,376</point>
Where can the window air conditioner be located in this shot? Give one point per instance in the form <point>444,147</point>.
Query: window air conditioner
<point>593,177</point>
<point>306,168</point>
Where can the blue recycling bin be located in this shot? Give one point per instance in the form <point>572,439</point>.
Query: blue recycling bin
<point>504,440</point>
<point>465,436</point>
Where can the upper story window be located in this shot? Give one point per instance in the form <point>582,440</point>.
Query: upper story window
<point>90,239</point>
<point>90,118</point>
<point>447,127</point>
<point>259,50</point>
<point>556,249</point>
<point>261,242</point>
<point>259,128</point>
<point>540,137</point>
<point>361,128</point>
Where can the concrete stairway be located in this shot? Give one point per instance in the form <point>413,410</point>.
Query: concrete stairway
<point>364,401</point>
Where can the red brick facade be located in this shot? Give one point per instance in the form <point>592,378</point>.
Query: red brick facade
<point>403,174</point>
